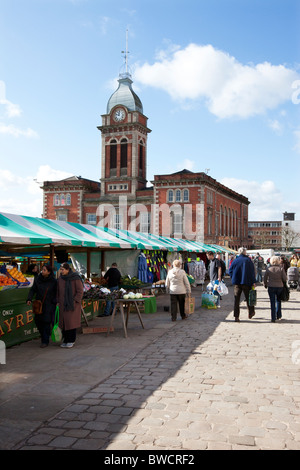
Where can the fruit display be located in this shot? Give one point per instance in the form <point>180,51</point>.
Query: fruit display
<point>17,275</point>
<point>7,281</point>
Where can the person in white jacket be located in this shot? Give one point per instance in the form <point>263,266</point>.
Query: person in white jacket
<point>178,285</point>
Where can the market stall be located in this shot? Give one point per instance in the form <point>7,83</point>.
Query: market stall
<point>22,236</point>
<point>144,260</point>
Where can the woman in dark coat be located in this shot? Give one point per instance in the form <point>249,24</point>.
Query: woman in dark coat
<point>44,288</point>
<point>69,296</point>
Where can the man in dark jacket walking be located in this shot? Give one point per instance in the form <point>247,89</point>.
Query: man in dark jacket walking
<point>113,277</point>
<point>242,274</point>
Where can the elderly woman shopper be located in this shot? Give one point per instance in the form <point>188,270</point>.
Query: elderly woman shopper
<point>44,289</point>
<point>69,295</point>
<point>274,279</point>
<point>178,285</point>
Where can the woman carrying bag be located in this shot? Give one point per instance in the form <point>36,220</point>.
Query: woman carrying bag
<point>69,296</point>
<point>178,285</point>
<point>274,280</point>
<point>44,290</point>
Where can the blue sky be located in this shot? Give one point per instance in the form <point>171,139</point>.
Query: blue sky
<point>219,81</point>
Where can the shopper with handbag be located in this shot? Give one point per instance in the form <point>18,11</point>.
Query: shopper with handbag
<point>69,296</point>
<point>44,290</point>
<point>178,285</point>
<point>274,280</point>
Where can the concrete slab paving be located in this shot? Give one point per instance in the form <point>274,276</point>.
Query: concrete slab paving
<point>202,383</point>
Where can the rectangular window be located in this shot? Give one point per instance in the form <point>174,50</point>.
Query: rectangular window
<point>209,197</point>
<point>117,222</point>
<point>145,222</point>
<point>177,224</point>
<point>62,216</point>
<point>91,219</point>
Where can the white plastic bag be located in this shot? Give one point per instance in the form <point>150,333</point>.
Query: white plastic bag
<point>222,288</point>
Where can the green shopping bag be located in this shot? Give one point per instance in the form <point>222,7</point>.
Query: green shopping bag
<point>56,334</point>
<point>252,297</point>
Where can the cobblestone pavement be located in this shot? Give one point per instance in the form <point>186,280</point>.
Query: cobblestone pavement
<point>203,383</point>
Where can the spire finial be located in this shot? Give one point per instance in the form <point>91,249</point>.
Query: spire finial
<point>126,52</point>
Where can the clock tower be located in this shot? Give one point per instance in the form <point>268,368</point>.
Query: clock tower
<point>124,144</point>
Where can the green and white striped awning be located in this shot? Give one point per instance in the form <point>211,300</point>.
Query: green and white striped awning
<point>25,230</point>
<point>143,241</point>
<point>11,231</point>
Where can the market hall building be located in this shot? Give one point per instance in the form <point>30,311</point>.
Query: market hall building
<point>184,204</point>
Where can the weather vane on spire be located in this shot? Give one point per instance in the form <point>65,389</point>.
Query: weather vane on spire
<point>126,52</point>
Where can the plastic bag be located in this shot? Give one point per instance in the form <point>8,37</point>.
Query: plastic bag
<point>209,300</point>
<point>56,333</point>
<point>222,288</point>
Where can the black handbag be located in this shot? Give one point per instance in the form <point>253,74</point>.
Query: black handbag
<point>285,294</point>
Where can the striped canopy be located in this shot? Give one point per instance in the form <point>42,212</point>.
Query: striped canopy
<point>25,230</point>
<point>144,241</point>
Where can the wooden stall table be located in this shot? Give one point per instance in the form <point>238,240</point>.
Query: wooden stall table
<point>119,303</point>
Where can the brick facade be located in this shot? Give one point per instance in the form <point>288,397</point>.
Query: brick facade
<point>183,204</point>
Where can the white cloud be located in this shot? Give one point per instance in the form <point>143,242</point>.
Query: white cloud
<point>266,199</point>
<point>10,111</point>
<point>186,164</point>
<point>229,88</point>
<point>22,194</point>
<point>46,173</point>
<point>297,144</point>
<point>10,129</point>
<point>276,126</point>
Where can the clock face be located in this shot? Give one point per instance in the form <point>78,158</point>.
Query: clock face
<point>119,115</point>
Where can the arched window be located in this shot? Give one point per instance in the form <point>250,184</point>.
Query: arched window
<point>221,220</point>
<point>68,199</point>
<point>141,157</point>
<point>170,195</point>
<point>62,200</point>
<point>185,195</point>
<point>225,222</point>
<point>113,157</point>
<point>178,195</point>
<point>56,200</point>
<point>124,157</point>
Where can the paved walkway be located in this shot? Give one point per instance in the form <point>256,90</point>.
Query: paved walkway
<point>203,383</point>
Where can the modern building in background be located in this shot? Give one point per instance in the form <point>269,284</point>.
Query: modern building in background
<point>281,235</point>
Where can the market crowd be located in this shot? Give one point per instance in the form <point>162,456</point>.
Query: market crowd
<point>49,295</point>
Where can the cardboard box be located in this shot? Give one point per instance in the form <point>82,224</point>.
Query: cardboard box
<point>96,329</point>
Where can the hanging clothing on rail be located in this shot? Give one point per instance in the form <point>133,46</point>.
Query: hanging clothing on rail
<point>142,268</point>
<point>197,269</point>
